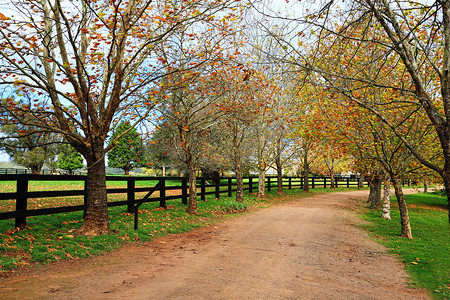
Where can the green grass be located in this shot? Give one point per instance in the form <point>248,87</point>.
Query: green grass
<point>427,255</point>
<point>52,237</point>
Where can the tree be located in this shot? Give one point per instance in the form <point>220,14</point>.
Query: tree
<point>69,159</point>
<point>128,150</point>
<point>26,149</point>
<point>157,149</point>
<point>84,66</point>
<point>241,104</point>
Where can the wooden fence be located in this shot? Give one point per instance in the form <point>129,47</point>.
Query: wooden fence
<point>21,171</point>
<point>205,186</point>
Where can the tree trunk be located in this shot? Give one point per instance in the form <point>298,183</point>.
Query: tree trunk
<point>262,181</point>
<point>446,178</point>
<point>371,190</point>
<point>404,216</point>
<point>332,184</point>
<point>387,200</point>
<point>305,176</point>
<point>238,171</point>
<point>305,171</point>
<point>376,197</point>
<point>126,171</point>
<point>96,220</point>
<point>163,170</point>
<point>279,175</point>
<point>36,170</point>
<point>425,186</point>
<point>360,182</point>
<point>192,204</point>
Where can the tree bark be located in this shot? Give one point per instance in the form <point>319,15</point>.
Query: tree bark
<point>96,220</point>
<point>305,176</point>
<point>36,170</point>
<point>360,182</point>
<point>305,172</point>
<point>387,200</point>
<point>332,184</point>
<point>446,177</point>
<point>238,171</point>
<point>192,204</point>
<point>279,175</point>
<point>425,185</point>
<point>371,190</point>
<point>404,215</point>
<point>262,181</point>
<point>376,196</point>
<point>126,171</point>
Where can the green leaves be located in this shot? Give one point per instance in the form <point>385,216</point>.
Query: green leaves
<point>69,159</point>
<point>128,150</point>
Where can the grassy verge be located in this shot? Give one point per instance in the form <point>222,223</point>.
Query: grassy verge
<point>50,238</point>
<point>427,255</point>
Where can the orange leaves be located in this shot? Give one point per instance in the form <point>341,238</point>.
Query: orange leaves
<point>158,19</point>
<point>3,18</point>
<point>162,60</point>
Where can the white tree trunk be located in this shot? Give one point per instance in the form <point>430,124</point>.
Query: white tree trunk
<point>387,201</point>
<point>262,183</point>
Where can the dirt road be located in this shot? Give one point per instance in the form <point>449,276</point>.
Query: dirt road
<point>305,249</point>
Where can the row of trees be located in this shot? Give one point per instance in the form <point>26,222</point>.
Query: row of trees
<point>380,69</point>
<point>357,87</point>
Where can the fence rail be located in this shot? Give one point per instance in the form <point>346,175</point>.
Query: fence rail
<point>205,186</point>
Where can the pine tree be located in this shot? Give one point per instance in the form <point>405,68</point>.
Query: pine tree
<point>128,150</point>
<point>69,159</point>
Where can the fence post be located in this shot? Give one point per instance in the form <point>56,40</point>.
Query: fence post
<point>162,193</point>
<point>21,201</point>
<point>217,187</point>
<point>289,182</point>
<point>229,188</point>
<point>312,182</point>
<point>348,182</point>
<point>268,183</point>
<point>250,187</point>
<point>202,189</point>
<point>130,194</point>
<point>301,182</point>
<point>184,198</point>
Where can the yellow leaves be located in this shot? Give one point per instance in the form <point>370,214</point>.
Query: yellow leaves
<point>19,82</point>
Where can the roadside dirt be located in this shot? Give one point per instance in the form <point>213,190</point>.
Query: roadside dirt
<point>305,249</point>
